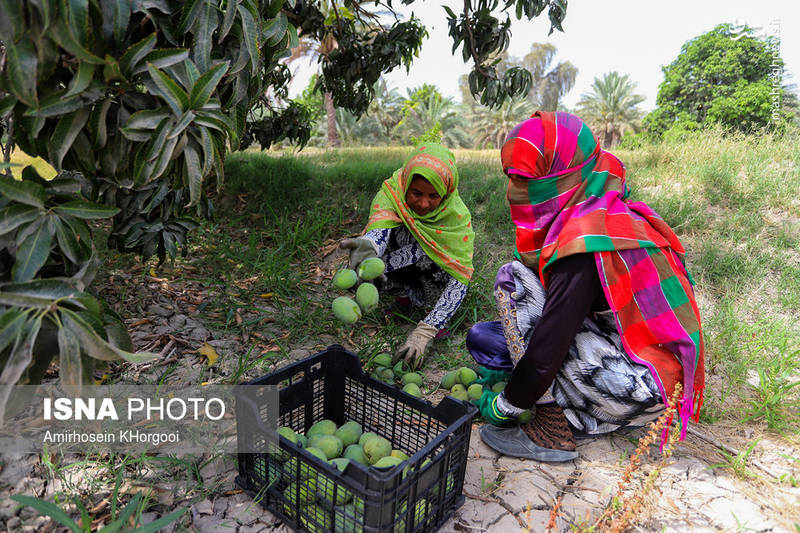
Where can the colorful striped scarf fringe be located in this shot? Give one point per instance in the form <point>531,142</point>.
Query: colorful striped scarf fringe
<point>568,196</point>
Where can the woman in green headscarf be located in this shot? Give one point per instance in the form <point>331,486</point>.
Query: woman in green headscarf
<point>422,230</point>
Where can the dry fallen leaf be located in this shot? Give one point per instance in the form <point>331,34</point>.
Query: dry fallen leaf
<point>210,353</point>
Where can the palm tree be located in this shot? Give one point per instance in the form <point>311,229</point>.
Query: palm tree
<point>310,48</point>
<point>424,108</point>
<point>610,107</point>
<point>490,126</point>
<point>549,84</point>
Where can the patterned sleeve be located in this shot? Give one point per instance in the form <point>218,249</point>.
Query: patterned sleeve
<point>380,238</point>
<point>447,305</point>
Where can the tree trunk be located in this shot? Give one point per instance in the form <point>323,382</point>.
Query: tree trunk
<point>330,110</point>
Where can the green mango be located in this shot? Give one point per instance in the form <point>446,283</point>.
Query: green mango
<point>466,376</point>
<point>355,453</point>
<point>412,377</point>
<point>349,433</point>
<point>365,437</point>
<point>385,374</point>
<point>413,389</point>
<point>449,379</point>
<point>375,449</point>
<point>315,519</point>
<point>340,463</point>
<point>316,452</point>
<point>329,444</point>
<point>460,395</point>
<point>345,278</point>
<point>475,391</point>
<point>525,417</point>
<point>387,462</point>
<point>499,386</point>
<point>346,310</point>
<point>399,454</point>
<point>367,297</point>
<point>371,268</point>
<point>458,387</point>
<point>288,433</point>
<point>302,440</point>
<point>382,359</point>
<point>323,427</point>
<point>301,493</point>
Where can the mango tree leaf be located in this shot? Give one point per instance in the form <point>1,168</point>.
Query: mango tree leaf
<point>50,289</point>
<point>206,85</point>
<point>205,26</point>
<point>64,134</point>
<point>171,92</point>
<point>56,104</point>
<point>19,359</point>
<point>66,40</point>
<point>250,30</point>
<point>227,20</point>
<point>67,241</point>
<point>32,254</point>
<point>24,192</point>
<point>81,79</point>
<point>275,30</point>
<point>15,215</point>
<point>78,19</point>
<point>116,16</point>
<point>183,122</point>
<point>86,210</point>
<point>133,55</point>
<point>94,345</point>
<point>189,14</point>
<point>194,174</point>
<point>69,361</point>
<point>147,119</point>
<point>162,58</point>
<point>7,103</point>
<point>97,123</point>
<point>22,67</point>
<point>11,323</point>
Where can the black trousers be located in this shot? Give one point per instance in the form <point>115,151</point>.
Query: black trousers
<point>573,291</point>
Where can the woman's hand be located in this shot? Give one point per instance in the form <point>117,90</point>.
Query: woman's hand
<point>360,249</point>
<point>413,350</point>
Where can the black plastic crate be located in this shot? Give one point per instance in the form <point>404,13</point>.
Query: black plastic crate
<point>419,495</point>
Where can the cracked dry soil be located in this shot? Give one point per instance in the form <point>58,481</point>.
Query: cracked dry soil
<point>502,494</point>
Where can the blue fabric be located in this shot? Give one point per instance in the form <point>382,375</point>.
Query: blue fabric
<point>487,345</point>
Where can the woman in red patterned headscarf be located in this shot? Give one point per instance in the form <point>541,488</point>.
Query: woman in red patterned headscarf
<point>598,308</point>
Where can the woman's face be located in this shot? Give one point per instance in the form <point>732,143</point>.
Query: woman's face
<point>421,197</point>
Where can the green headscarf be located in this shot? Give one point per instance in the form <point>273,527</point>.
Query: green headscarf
<point>445,234</point>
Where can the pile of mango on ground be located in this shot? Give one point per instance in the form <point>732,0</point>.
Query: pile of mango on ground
<point>460,382</point>
<point>337,446</point>
<point>345,308</point>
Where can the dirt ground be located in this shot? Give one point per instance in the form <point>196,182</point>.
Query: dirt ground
<point>680,493</point>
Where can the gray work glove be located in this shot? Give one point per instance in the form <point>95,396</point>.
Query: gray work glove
<point>360,249</point>
<point>413,350</point>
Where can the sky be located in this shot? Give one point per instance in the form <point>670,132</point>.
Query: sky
<point>633,37</point>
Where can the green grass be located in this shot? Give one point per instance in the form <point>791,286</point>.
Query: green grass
<point>733,200</point>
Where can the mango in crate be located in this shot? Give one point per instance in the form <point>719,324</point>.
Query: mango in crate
<point>345,278</point>
<point>346,310</point>
<point>377,448</point>
<point>369,435</point>
<point>387,462</point>
<point>315,519</point>
<point>399,454</point>
<point>349,433</point>
<point>300,493</point>
<point>371,268</point>
<point>329,444</point>
<point>367,297</point>
<point>355,453</point>
<point>323,427</point>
